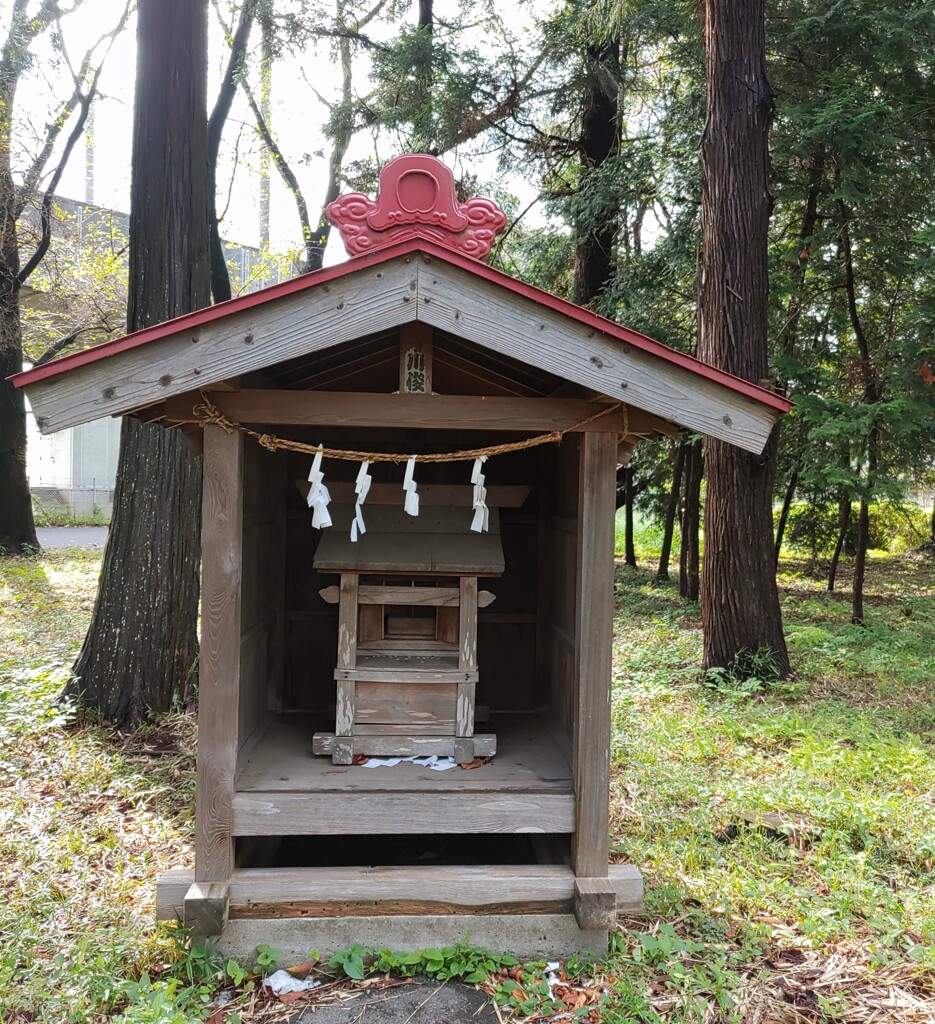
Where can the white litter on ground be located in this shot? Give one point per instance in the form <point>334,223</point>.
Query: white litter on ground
<point>436,763</point>
<point>282,982</point>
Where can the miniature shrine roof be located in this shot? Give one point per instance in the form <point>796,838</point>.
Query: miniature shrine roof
<point>417,254</point>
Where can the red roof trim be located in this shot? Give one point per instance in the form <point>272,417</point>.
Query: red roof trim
<point>414,244</point>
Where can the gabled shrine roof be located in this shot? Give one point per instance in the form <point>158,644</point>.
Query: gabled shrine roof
<point>412,271</point>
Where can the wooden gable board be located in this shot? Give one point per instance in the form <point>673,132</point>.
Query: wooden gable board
<point>477,310</point>
<point>469,301</point>
<point>366,299</point>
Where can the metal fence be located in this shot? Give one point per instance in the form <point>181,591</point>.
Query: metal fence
<point>57,506</point>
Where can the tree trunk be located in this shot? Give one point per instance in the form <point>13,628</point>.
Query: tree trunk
<point>423,129</point>
<point>689,555</point>
<point>844,521</point>
<point>860,561</point>
<point>672,507</point>
<point>784,513</point>
<point>740,603</point>
<point>629,549</point>
<point>17,527</point>
<point>141,646</point>
<point>600,138</point>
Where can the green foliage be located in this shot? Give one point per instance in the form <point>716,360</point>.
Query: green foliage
<point>461,961</point>
<point>895,528</point>
<point>750,672</point>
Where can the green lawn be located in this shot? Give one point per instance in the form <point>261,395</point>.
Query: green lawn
<point>828,917</point>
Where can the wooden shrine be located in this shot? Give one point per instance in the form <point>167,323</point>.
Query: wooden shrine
<point>382,384</point>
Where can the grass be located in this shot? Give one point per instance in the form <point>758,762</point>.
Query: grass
<point>823,918</point>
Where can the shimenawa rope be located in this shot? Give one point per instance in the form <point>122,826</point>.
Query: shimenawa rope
<point>207,412</point>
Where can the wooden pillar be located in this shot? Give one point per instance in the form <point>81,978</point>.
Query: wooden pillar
<point>219,679</point>
<point>595,899</point>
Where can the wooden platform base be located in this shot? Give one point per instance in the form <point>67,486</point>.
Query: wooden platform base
<point>457,893</point>
<point>463,749</point>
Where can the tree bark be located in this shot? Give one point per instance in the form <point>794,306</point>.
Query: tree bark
<point>220,277</point>
<point>844,521</point>
<point>740,603</point>
<point>600,139</point>
<point>784,513</point>
<point>672,507</point>
<point>689,555</point>
<point>629,549</point>
<point>141,646</point>
<point>860,561</point>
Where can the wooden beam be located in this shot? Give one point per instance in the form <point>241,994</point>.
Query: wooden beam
<point>597,477</point>
<point>445,495</point>
<point>425,412</point>
<point>388,813</point>
<point>219,686</point>
<point>415,359</point>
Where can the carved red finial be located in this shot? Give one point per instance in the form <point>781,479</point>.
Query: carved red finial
<point>416,198</point>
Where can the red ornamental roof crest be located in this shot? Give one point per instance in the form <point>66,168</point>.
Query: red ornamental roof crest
<point>416,198</point>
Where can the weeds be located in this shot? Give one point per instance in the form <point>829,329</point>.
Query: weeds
<point>828,915</point>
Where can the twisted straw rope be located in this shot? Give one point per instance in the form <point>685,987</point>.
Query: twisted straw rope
<point>207,412</point>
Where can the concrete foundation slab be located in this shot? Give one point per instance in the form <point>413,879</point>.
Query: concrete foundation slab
<point>422,1002</point>
<point>528,936</point>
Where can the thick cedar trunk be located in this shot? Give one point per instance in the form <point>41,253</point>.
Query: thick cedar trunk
<point>740,603</point>
<point>672,507</point>
<point>629,549</point>
<point>689,556</point>
<point>784,513</point>
<point>141,646</point>
<point>600,137</point>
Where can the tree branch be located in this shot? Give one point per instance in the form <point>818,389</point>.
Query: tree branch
<point>285,172</point>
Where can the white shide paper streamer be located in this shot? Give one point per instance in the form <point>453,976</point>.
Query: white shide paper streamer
<point>411,503</point>
<point>481,519</point>
<point>318,496</point>
<point>361,489</point>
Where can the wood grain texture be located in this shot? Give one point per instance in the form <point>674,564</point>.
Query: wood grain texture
<point>453,300</point>
<point>423,412</point>
<point>415,377</point>
<point>347,620</point>
<point>391,741</point>
<point>595,903</point>
<point>430,495</point>
<point>219,680</point>
<point>342,813</point>
<point>527,761</point>
<point>404,703</point>
<point>205,908</point>
<point>367,300</point>
<point>594,631</point>
<point>332,891</point>
<point>467,630</point>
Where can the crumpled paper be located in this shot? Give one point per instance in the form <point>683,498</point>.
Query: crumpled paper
<point>282,983</point>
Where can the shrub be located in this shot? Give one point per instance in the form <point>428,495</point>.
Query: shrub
<point>893,527</point>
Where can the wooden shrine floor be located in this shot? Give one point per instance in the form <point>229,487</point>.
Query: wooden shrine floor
<point>283,789</point>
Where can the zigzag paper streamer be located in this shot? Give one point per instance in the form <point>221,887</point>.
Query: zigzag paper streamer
<point>318,496</point>
<point>361,489</point>
<point>411,503</point>
<point>481,520</point>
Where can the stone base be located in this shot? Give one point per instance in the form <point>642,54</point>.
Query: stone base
<point>527,936</point>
